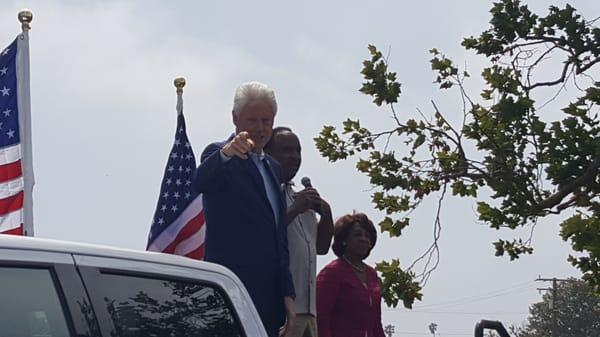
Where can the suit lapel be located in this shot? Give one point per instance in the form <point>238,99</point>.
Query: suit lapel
<point>258,183</point>
<point>254,175</point>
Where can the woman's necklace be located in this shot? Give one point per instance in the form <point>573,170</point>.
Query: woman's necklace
<point>359,269</point>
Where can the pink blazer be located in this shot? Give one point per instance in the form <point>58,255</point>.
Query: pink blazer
<point>345,307</point>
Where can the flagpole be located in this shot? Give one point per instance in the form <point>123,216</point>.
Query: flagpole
<point>179,83</point>
<point>24,102</point>
<point>25,17</point>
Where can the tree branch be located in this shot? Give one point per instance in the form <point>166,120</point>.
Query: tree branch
<point>579,70</point>
<point>557,197</point>
<point>550,83</point>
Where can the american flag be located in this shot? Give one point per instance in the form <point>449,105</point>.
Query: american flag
<point>178,225</point>
<point>16,175</point>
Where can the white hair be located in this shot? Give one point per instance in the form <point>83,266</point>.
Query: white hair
<point>252,92</point>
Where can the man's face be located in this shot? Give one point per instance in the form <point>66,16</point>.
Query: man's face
<point>285,148</point>
<point>256,119</point>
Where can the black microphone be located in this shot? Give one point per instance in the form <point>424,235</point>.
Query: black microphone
<point>305,181</point>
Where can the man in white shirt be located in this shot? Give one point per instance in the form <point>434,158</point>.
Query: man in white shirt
<point>307,234</point>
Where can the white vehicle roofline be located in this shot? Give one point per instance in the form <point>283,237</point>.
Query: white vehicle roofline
<point>69,247</point>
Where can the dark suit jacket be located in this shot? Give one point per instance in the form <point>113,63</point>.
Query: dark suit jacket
<point>242,232</point>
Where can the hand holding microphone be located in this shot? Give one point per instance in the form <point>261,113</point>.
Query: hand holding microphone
<point>305,181</point>
<point>323,208</point>
<point>308,198</point>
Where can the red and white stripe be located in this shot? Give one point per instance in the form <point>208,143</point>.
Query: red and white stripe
<point>16,165</point>
<point>185,236</point>
<point>11,191</point>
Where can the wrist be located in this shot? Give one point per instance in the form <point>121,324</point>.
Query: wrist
<point>324,212</point>
<point>294,211</point>
<point>224,157</point>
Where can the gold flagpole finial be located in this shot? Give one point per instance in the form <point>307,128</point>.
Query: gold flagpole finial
<point>179,84</point>
<point>25,17</point>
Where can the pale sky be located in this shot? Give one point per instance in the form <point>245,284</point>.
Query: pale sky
<point>103,115</point>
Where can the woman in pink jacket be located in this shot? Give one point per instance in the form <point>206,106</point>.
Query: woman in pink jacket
<point>348,294</point>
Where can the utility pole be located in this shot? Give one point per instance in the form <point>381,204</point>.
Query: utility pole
<point>553,305</point>
<point>389,330</point>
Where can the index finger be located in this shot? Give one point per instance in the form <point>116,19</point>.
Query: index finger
<point>250,142</point>
<point>243,135</point>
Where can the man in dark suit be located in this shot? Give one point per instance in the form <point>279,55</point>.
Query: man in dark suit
<point>245,209</point>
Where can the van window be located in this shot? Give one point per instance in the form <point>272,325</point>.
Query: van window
<point>147,307</point>
<point>29,304</point>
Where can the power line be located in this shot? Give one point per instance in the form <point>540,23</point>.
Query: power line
<point>502,291</point>
<point>457,312</point>
<point>467,300</point>
<point>441,334</point>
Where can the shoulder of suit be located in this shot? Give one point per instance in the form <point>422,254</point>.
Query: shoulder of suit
<point>211,148</point>
<point>217,144</point>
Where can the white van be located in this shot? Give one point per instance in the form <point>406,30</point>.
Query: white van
<point>57,289</point>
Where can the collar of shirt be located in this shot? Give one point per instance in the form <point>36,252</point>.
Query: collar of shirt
<point>288,189</point>
<point>257,156</point>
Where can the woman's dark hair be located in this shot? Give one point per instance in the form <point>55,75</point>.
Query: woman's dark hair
<point>342,229</point>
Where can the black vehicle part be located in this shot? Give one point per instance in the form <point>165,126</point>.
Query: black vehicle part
<point>491,325</point>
